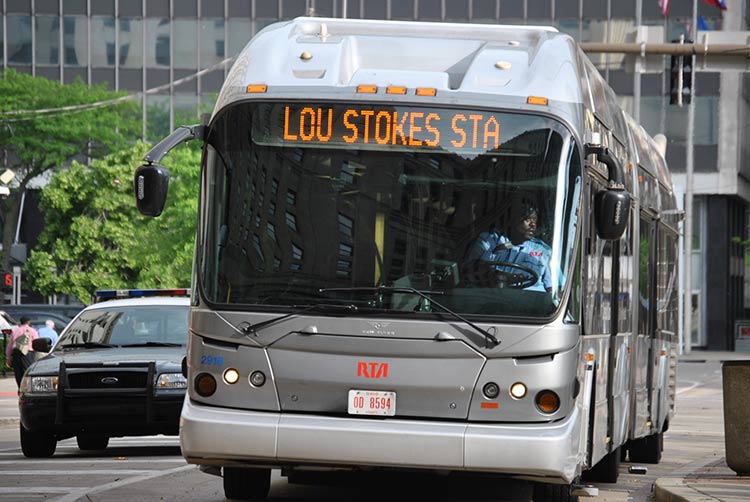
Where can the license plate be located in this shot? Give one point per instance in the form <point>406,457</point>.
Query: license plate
<point>372,402</point>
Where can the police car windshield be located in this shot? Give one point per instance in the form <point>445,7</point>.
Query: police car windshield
<point>313,196</point>
<point>164,325</point>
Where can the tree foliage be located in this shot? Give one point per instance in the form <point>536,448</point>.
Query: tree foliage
<point>37,142</point>
<point>95,238</point>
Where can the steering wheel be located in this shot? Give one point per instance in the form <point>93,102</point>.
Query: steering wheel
<point>522,279</point>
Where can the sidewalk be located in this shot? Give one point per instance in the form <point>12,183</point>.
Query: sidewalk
<point>8,401</point>
<point>708,478</point>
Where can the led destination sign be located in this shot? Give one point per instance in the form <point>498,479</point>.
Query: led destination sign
<point>381,127</point>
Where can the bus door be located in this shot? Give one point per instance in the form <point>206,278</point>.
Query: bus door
<point>665,357</point>
<point>644,344</point>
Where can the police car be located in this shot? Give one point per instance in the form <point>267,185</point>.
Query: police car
<point>116,370</point>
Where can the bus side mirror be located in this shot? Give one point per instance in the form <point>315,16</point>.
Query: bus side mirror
<point>611,213</point>
<point>151,183</point>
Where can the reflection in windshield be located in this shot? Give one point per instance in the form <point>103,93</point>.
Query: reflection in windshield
<point>489,225</point>
<point>144,326</point>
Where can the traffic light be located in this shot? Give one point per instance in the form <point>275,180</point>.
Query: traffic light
<point>7,281</point>
<point>681,79</point>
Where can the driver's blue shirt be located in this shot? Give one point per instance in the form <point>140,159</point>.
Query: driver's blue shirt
<point>533,254</point>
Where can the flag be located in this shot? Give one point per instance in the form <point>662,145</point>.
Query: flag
<point>664,6</point>
<point>702,25</point>
<point>721,4</point>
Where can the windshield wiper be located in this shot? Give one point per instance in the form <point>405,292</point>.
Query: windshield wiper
<point>153,344</point>
<point>88,345</point>
<point>252,329</point>
<point>489,337</point>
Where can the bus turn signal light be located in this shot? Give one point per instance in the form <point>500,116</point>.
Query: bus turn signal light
<point>205,384</point>
<point>254,88</point>
<point>367,89</point>
<point>547,401</point>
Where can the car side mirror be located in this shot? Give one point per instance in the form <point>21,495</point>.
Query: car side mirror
<point>611,210</point>
<point>43,344</point>
<point>151,183</point>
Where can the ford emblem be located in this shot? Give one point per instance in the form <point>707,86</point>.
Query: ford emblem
<point>110,380</point>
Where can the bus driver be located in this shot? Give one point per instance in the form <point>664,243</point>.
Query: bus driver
<point>517,259</point>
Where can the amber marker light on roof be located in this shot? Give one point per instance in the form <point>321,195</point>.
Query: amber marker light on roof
<point>367,89</point>
<point>536,100</point>
<point>395,89</point>
<point>426,91</point>
<point>253,88</point>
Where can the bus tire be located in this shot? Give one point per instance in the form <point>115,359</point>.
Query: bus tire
<point>37,444</point>
<point>647,449</point>
<point>608,468</point>
<point>92,442</point>
<point>545,492</point>
<point>246,484</point>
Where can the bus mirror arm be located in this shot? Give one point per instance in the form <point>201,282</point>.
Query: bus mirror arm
<point>151,180</point>
<point>611,206</point>
<point>179,135</point>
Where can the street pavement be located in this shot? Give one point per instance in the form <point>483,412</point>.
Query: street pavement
<point>694,443</point>
<point>697,438</point>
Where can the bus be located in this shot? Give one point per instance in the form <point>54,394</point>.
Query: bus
<point>425,247</point>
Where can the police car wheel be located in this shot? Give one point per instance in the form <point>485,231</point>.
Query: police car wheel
<point>37,444</point>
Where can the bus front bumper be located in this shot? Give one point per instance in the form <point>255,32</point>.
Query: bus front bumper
<point>220,436</point>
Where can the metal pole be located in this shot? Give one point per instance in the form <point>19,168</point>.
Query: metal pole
<point>343,9</point>
<point>688,225</point>
<point>637,73</point>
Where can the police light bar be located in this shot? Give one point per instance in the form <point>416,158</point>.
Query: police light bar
<point>111,294</point>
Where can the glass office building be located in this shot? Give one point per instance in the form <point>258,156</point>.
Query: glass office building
<point>175,52</point>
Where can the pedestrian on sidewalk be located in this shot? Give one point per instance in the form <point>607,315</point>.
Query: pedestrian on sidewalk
<point>18,353</point>
<point>48,331</point>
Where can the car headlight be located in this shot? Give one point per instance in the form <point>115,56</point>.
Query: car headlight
<point>171,381</point>
<point>39,385</point>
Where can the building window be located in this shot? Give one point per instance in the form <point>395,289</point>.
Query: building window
<point>291,197</point>
<point>346,225</point>
<point>256,245</point>
<point>271,230</point>
<point>345,250</point>
<point>19,39</point>
<point>291,221</point>
<point>274,186</point>
<point>296,252</point>
<point>272,208</point>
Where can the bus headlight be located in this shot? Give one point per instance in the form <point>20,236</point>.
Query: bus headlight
<point>38,385</point>
<point>171,381</point>
<point>518,390</point>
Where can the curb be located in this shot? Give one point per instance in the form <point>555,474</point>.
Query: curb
<point>675,490</point>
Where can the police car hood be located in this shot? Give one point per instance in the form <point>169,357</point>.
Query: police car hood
<point>164,357</point>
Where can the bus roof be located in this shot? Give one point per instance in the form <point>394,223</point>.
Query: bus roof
<point>326,55</point>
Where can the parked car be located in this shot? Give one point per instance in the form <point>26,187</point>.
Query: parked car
<point>115,371</point>
<point>38,313</point>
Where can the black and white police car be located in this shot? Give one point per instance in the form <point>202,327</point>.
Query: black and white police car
<point>115,371</point>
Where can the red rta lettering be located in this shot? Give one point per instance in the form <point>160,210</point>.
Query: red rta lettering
<point>372,369</point>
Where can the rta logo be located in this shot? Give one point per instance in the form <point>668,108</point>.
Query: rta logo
<point>372,369</point>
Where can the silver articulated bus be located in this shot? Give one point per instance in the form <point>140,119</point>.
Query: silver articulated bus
<point>425,247</point>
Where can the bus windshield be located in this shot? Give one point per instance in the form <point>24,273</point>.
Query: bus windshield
<point>386,207</point>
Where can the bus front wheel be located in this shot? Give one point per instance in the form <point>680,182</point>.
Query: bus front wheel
<point>544,492</point>
<point>647,449</point>
<point>246,484</point>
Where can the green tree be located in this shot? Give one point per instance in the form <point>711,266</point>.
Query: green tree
<point>95,238</point>
<point>44,125</point>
